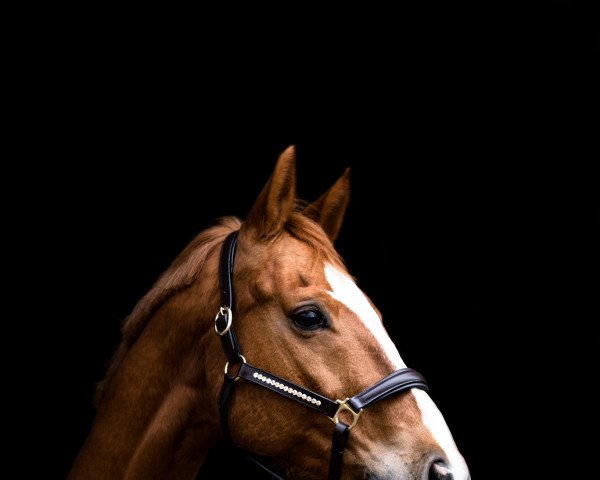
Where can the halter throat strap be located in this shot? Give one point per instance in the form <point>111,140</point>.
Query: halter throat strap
<point>394,384</point>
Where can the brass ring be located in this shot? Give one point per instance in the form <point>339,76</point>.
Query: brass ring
<point>224,311</point>
<point>227,364</point>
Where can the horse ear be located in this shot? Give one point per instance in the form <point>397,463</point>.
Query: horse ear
<point>275,203</point>
<point>328,210</point>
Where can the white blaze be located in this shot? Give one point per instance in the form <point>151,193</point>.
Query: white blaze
<point>344,290</point>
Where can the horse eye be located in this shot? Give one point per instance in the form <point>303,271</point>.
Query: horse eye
<point>309,319</point>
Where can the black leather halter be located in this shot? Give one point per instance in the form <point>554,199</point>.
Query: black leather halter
<point>398,382</point>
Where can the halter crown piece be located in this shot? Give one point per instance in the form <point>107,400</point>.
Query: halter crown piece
<point>398,382</point>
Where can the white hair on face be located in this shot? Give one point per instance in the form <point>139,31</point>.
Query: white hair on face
<point>344,290</point>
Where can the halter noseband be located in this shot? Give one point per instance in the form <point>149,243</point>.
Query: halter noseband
<point>398,382</point>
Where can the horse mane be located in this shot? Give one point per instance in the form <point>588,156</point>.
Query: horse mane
<point>185,270</point>
<point>181,274</point>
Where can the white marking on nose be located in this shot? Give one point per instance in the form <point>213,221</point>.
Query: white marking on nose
<point>344,290</point>
<point>434,421</point>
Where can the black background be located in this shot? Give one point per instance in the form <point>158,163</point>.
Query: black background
<point>473,212</point>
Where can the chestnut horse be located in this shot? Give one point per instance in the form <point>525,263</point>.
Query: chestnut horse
<point>299,315</point>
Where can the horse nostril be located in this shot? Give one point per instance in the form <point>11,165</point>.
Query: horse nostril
<point>439,471</point>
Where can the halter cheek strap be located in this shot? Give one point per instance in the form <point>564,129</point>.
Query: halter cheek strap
<point>398,382</point>
<point>224,318</point>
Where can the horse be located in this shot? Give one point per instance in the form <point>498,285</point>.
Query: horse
<point>298,314</point>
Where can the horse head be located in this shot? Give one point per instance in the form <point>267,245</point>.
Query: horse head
<point>299,315</point>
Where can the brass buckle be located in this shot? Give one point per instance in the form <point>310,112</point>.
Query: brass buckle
<point>224,311</point>
<point>343,405</point>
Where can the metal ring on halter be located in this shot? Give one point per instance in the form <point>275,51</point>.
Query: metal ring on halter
<point>224,311</point>
<point>227,365</point>
<point>343,406</point>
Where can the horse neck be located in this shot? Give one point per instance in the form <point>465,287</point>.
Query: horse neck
<point>158,414</point>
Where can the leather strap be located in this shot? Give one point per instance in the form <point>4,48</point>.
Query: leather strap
<point>224,401</point>
<point>226,269</point>
<point>338,444</point>
<point>228,340</point>
<point>398,382</point>
<point>288,389</point>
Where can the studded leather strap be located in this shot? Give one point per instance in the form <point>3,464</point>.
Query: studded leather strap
<point>288,389</point>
